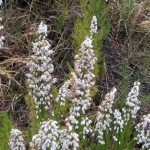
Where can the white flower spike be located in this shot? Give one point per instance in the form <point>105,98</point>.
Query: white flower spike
<point>16,140</point>
<point>132,99</point>
<point>143,132</point>
<point>93,27</point>
<point>103,118</point>
<point>47,137</point>
<point>40,71</point>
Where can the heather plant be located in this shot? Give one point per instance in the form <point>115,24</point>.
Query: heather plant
<point>118,122</point>
<point>89,9</point>
<point>63,119</point>
<point>66,90</point>
<point>78,88</point>
<point>124,119</point>
<point>81,86</point>
<point>40,79</point>
<point>92,26</point>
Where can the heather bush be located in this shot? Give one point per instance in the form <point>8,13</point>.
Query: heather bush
<point>111,125</point>
<point>60,118</point>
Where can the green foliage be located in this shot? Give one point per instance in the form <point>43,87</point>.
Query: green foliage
<point>126,7</point>
<point>129,18</point>
<point>125,78</point>
<point>125,85</point>
<point>145,100</point>
<point>69,67</point>
<point>60,24</point>
<point>81,30</point>
<point>5,128</point>
<point>60,112</point>
<point>34,123</point>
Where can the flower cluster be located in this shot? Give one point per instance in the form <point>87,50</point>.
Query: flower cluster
<point>16,140</point>
<point>143,132</point>
<point>118,121</point>
<point>68,138</point>
<point>2,38</point>
<point>93,27</point>
<point>42,29</point>
<point>125,115</point>
<point>78,88</point>
<point>103,118</point>
<point>132,100</point>
<point>83,80</point>
<point>84,62</point>
<point>41,67</point>
<point>106,105</point>
<point>83,76</point>
<point>118,125</point>
<point>64,92</point>
<point>47,137</point>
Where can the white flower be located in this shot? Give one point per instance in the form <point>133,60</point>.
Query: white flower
<point>42,28</point>
<point>68,139</point>
<point>47,137</point>
<point>16,140</point>
<point>106,105</point>
<point>103,118</point>
<point>118,120</point>
<point>118,123</point>
<point>93,27</point>
<point>132,100</point>
<point>64,92</point>
<point>86,44</point>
